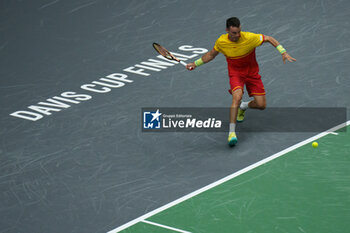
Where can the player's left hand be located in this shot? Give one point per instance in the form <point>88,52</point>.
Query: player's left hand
<point>286,56</point>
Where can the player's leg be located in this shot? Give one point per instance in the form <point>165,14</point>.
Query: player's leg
<point>259,102</point>
<point>236,100</point>
<point>237,85</point>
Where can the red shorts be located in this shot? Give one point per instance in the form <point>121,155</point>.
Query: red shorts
<point>245,71</point>
<point>252,83</point>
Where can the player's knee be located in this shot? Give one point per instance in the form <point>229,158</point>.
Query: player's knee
<point>236,101</point>
<point>262,105</point>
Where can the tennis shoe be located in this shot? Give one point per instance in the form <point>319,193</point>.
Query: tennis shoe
<point>240,115</point>
<point>232,139</point>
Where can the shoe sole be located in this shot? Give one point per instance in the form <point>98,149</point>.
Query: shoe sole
<point>233,142</point>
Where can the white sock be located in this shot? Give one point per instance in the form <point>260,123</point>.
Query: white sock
<point>244,105</point>
<point>232,127</point>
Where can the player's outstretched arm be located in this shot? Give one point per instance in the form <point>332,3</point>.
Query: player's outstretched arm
<point>204,59</point>
<point>279,47</point>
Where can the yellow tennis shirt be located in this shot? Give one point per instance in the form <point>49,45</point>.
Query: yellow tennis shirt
<point>243,47</point>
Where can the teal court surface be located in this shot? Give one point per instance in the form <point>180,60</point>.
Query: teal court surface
<point>300,189</point>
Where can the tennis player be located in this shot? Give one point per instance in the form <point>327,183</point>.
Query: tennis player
<point>243,69</point>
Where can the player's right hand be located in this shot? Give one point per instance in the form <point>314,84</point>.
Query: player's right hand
<point>191,66</point>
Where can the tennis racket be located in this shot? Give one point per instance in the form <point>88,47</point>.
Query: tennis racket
<point>165,53</point>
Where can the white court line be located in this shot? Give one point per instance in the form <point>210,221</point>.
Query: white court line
<point>166,227</point>
<point>223,180</point>
<point>334,133</point>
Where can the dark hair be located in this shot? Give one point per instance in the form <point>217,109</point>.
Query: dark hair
<point>232,22</point>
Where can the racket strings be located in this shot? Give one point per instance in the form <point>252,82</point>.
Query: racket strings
<point>165,53</point>
<point>162,51</point>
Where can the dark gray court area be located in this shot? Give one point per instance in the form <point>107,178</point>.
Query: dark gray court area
<point>89,167</point>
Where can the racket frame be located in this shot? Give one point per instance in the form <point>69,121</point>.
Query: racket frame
<point>168,55</point>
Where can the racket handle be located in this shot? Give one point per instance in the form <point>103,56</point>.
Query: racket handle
<point>183,63</point>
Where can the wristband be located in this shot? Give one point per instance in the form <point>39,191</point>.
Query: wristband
<point>280,49</point>
<point>199,62</point>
